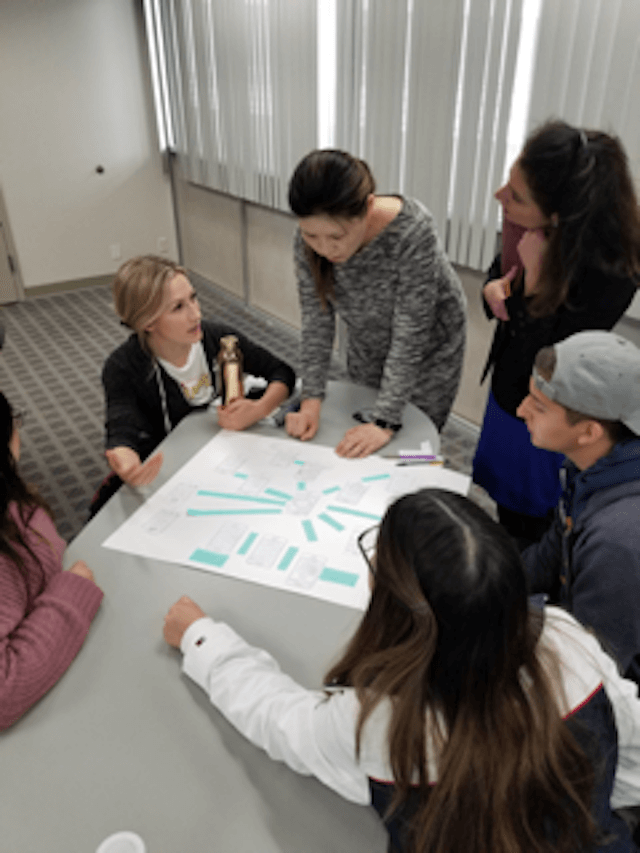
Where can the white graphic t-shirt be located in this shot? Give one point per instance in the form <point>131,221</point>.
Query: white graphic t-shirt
<point>194,378</point>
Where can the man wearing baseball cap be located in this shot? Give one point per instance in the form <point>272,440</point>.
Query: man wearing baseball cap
<point>584,401</point>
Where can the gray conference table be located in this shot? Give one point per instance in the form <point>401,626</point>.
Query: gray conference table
<point>124,741</point>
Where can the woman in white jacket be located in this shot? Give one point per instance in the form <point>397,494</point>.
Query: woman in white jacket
<point>468,720</point>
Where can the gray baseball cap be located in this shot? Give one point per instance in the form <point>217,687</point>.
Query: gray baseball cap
<point>598,375</point>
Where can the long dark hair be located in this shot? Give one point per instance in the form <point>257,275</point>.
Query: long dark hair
<point>14,491</point>
<point>448,636</point>
<point>333,183</point>
<point>582,176</point>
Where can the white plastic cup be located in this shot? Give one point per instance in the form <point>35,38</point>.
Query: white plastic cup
<point>123,842</point>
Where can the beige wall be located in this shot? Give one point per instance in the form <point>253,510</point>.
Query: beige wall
<point>272,284</point>
<point>74,95</point>
<point>211,230</point>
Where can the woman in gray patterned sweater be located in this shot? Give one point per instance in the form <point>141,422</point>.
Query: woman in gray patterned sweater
<point>377,262</point>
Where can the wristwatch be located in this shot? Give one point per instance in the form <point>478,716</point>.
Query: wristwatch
<point>366,417</point>
<point>386,424</point>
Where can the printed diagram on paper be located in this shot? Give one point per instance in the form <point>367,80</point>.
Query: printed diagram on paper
<point>276,512</point>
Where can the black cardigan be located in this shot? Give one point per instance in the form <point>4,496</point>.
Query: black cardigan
<point>134,416</point>
<point>596,301</point>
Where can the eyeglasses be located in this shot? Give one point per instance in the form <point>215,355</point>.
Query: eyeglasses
<point>367,545</point>
<point>18,418</point>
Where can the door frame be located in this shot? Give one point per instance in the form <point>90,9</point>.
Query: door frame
<point>9,255</point>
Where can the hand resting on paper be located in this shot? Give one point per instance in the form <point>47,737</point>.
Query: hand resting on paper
<point>180,615</point>
<point>361,441</point>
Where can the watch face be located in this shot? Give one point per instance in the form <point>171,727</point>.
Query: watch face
<point>364,416</point>
<point>387,425</point>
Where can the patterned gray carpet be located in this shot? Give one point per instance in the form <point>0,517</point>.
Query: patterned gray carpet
<point>50,370</point>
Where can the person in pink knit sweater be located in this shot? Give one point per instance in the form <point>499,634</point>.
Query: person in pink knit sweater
<point>45,612</point>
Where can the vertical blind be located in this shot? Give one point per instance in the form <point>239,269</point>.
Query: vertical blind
<point>423,92</point>
<point>423,95</point>
<point>587,68</point>
<point>242,90</point>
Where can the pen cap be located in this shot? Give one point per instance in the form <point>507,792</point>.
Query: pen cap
<point>122,842</point>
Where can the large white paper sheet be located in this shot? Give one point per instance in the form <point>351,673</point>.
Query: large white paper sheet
<point>275,511</point>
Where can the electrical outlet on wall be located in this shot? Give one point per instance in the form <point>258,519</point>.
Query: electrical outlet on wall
<point>116,251</point>
<point>163,245</point>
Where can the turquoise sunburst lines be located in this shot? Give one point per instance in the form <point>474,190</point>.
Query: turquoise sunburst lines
<point>193,513</point>
<point>276,493</point>
<point>268,505</point>
<point>287,558</point>
<point>248,542</point>
<point>331,521</point>
<point>355,512</point>
<point>232,496</point>
<point>331,490</point>
<point>309,530</point>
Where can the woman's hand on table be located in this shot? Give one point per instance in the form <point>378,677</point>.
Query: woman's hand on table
<point>497,291</point>
<point>182,614</point>
<point>126,463</point>
<point>244,412</point>
<point>82,569</point>
<point>304,424</point>
<point>531,249</point>
<point>360,441</point>
<point>240,414</point>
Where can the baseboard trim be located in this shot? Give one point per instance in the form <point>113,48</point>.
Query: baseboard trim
<point>465,424</point>
<point>65,286</point>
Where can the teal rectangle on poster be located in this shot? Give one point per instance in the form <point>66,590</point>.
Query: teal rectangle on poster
<point>356,512</point>
<point>278,494</point>
<point>309,531</point>
<point>286,561</point>
<point>336,576</point>
<point>198,512</point>
<point>248,542</point>
<point>211,558</point>
<point>331,521</point>
<point>205,493</point>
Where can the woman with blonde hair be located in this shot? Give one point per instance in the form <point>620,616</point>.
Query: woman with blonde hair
<point>166,369</point>
<point>471,723</point>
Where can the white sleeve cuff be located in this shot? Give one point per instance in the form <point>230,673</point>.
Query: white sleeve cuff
<point>197,635</point>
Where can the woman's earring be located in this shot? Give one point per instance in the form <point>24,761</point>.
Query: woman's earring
<point>555,220</point>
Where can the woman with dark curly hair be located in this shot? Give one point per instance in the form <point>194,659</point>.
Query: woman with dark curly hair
<point>570,261</point>
<point>45,613</point>
<point>470,722</point>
